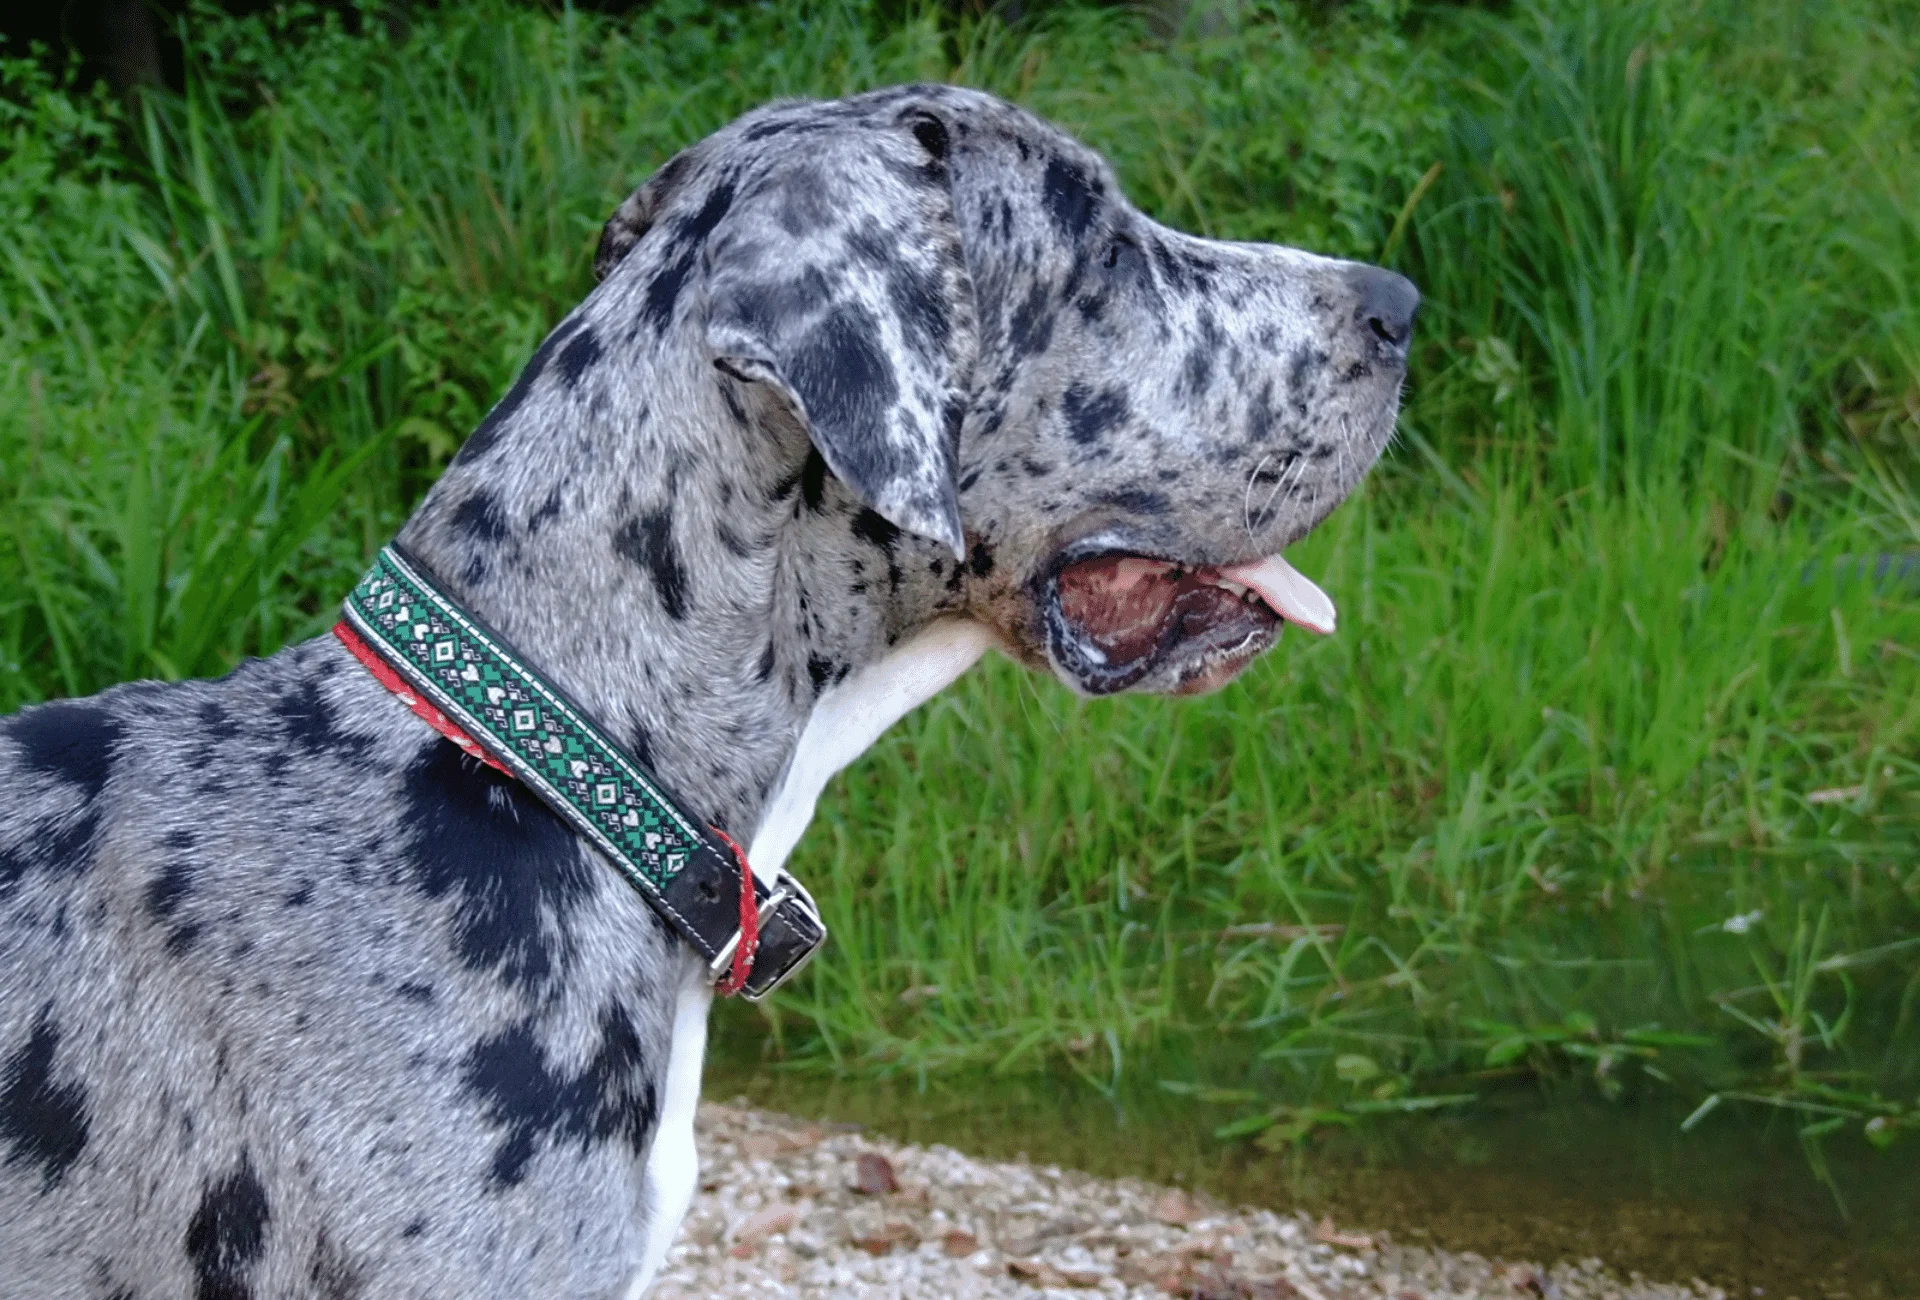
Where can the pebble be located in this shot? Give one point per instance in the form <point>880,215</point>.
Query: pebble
<point>789,1209</point>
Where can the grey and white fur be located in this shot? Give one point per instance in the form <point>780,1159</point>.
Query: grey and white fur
<point>299,1001</point>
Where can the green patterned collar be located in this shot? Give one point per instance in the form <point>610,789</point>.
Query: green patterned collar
<point>506,714</point>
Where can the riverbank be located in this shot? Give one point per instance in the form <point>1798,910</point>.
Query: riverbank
<point>1519,1175</point>
<point>793,1208</point>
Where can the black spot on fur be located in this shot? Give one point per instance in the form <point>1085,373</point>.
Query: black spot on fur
<point>843,376</point>
<point>483,438</point>
<point>579,356</point>
<point>981,560</point>
<point>162,899</point>
<point>871,526</point>
<point>640,746</point>
<point>414,1228</point>
<point>663,292</point>
<point>1090,417</point>
<point>647,541</point>
<point>764,669</point>
<point>804,205</point>
<point>488,843</point>
<point>42,1122</point>
<point>931,132</point>
<point>1140,501</point>
<point>611,1099</point>
<point>312,725</point>
<point>1070,198</point>
<point>302,895</point>
<point>216,724</point>
<point>1171,269</point>
<point>1302,366</point>
<point>548,512</point>
<point>479,518</point>
<point>1197,371</point>
<point>227,1235</point>
<point>920,304</point>
<point>62,844</point>
<point>413,991</point>
<point>813,479</point>
<point>1261,416</point>
<point>1031,330</point>
<point>71,740</point>
<point>818,671</point>
<point>695,228</point>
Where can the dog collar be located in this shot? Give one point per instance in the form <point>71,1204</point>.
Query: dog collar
<point>464,679</point>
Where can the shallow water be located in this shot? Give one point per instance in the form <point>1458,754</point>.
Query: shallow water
<point>1734,1202</point>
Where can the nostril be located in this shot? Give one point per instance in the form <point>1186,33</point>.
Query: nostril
<point>1385,305</point>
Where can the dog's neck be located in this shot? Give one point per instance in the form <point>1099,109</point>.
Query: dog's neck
<point>697,583</point>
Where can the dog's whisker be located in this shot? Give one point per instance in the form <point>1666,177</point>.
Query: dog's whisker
<point>1246,506</point>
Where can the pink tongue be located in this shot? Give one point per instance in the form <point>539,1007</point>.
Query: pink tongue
<point>1291,594</point>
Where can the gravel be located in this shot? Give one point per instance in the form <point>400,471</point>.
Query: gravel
<point>795,1209</point>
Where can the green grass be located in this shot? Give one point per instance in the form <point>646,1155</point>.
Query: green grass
<point>1612,773</point>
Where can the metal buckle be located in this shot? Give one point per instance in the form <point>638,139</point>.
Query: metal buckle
<point>786,890</point>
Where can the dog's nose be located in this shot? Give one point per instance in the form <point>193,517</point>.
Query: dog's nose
<point>1387,303</point>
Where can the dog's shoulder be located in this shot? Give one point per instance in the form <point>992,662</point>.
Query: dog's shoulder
<point>235,910</point>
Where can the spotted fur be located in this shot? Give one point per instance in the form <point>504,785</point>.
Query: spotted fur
<point>299,1001</point>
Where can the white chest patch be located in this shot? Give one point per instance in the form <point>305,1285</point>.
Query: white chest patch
<point>845,721</point>
<point>850,717</point>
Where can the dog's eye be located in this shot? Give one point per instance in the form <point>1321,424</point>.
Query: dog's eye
<point>1119,249</point>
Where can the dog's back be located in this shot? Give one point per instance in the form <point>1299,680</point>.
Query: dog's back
<point>275,966</point>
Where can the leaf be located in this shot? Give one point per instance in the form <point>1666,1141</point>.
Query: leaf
<point>1507,1051</point>
<point>1247,1125</point>
<point>1356,1069</point>
<point>1409,1105</point>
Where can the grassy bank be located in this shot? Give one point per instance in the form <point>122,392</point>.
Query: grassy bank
<point>1613,771</point>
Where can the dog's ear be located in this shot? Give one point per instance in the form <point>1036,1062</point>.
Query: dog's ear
<point>837,278</point>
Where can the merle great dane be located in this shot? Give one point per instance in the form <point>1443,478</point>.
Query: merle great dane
<point>299,1000</point>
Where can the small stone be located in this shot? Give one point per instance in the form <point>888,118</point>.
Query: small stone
<point>958,1245</point>
<point>873,1175</point>
<point>763,1224</point>
<point>1160,1271</point>
<point>889,1238</point>
<point>1040,1273</point>
<point>1176,1209</point>
<point>1332,1236</point>
<point>759,1146</point>
<point>766,1144</point>
<point>1525,1277</point>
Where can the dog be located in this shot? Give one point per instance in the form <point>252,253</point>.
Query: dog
<point>302,1000</point>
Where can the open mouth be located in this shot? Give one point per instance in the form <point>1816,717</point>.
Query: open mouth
<point>1117,622</point>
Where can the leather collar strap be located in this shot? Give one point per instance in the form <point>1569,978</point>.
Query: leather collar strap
<point>501,711</point>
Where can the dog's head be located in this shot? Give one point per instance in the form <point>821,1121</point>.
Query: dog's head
<point>1114,428</point>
